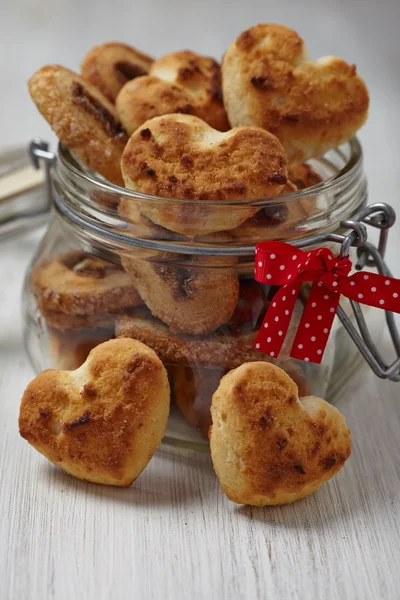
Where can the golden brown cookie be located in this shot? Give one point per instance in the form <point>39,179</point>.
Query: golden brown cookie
<point>61,321</point>
<point>191,298</point>
<point>228,347</point>
<point>103,422</point>
<point>109,66</point>
<point>269,82</point>
<point>180,156</point>
<point>218,349</point>
<point>80,285</point>
<point>181,82</point>
<point>267,446</point>
<point>82,118</point>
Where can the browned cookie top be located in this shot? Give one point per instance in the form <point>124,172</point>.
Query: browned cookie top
<point>109,66</point>
<point>81,285</point>
<point>180,82</point>
<point>268,81</point>
<point>103,421</point>
<point>81,117</point>
<point>281,447</point>
<point>180,156</point>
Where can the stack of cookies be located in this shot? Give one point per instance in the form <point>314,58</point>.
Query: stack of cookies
<point>205,142</point>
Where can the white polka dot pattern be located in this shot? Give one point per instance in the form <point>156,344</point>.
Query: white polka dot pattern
<point>280,264</point>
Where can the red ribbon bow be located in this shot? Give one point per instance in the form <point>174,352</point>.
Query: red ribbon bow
<point>278,263</point>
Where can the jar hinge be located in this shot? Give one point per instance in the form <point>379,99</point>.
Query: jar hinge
<point>381,216</point>
<point>39,154</point>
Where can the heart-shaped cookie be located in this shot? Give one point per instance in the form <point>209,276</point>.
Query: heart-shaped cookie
<point>82,119</point>
<point>77,283</point>
<point>109,66</point>
<point>310,106</point>
<point>267,446</point>
<point>180,156</point>
<point>103,422</point>
<point>227,347</point>
<point>181,82</point>
<point>193,297</point>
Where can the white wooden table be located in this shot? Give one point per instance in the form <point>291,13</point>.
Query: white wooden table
<point>173,535</point>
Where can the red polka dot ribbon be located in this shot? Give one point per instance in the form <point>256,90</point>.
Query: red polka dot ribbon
<point>280,264</point>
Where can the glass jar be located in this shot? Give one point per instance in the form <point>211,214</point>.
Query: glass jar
<point>109,266</point>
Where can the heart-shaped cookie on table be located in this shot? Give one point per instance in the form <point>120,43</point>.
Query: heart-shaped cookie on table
<point>82,119</point>
<point>103,422</point>
<point>181,157</point>
<point>267,445</point>
<point>109,66</point>
<point>269,82</point>
<point>181,82</point>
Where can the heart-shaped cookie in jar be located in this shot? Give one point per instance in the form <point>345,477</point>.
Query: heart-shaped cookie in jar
<point>268,81</point>
<point>82,119</point>
<point>109,66</point>
<point>102,422</point>
<point>204,177</point>
<point>180,82</point>
<point>267,445</point>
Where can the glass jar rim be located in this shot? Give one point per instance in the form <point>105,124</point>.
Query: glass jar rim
<point>351,167</point>
<point>342,193</point>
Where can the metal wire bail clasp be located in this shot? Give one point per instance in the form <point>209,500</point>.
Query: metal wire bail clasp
<point>381,216</point>
<point>25,192</point>
<point>39,154</point>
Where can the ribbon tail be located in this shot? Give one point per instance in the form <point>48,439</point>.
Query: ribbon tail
<point>373,289</point>
<point>315,324</point>
<point>274,328</point>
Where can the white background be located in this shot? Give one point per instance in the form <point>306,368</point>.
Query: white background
<point>173,535</point>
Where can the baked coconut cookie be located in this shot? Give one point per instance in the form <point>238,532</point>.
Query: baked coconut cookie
<point>109,66</point>
<point>180,82</point>
<point>269,82</point>
<point>227,347</point>
<point>80,285</point>
<point>102,422</point>
<point>181,157</point>
<point>193,298</point>
<point>267,445</point>
<point>82,119</point>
